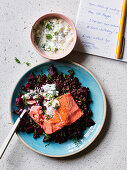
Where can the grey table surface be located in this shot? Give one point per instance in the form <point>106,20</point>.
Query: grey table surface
<point>109,150</point>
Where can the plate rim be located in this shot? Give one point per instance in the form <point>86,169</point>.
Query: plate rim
<point>104,116</point>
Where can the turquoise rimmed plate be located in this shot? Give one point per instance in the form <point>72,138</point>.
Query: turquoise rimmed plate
<point>98,107</point>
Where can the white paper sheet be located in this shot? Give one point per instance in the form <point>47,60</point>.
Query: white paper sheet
<point>97,27</point>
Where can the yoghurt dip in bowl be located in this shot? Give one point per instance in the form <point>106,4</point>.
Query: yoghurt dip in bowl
<point>53,35</point>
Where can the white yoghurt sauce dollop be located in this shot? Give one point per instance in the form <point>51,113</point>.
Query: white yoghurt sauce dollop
<point>50,93</point>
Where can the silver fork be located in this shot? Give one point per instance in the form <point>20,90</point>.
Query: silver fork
<point>10,135</point>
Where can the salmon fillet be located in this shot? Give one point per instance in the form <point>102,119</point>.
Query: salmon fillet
<point>36,114</point>
<point>66,114</point>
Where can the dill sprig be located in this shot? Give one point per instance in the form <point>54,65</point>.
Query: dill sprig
<point>17,60</point>
<point>27,63</point>
<point>76,142</point>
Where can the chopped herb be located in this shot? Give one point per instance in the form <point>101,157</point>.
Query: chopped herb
<point>49,27</point>
<point>43,133</point>
<point>63,35</point>
<point>49,77</point>
<point>22,87</point>
<point>56,33</point>
<point>43,46</point>
<point>25,102</point>
<point>44,111</point>
<point>47,144</point>
<point>48,94</point>
<point>17,60</point>
<point>57,110</point>
<point>36,125</point>
<point>64,75</point>
<point>56,49</point>
<point>35,131</point>
<point>27,63</point>
<point>77,142</point>
<point>19,93</point>
<point>48,36</point>
<point>47,137</point>
<point>25,28</point>
<point>39,79</point>
<point>49,117</point>
<point>50,103</point>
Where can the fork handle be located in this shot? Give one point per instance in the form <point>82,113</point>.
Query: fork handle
<point>10,135</point>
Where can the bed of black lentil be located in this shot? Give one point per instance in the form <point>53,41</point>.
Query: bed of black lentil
<point>65,83</point>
